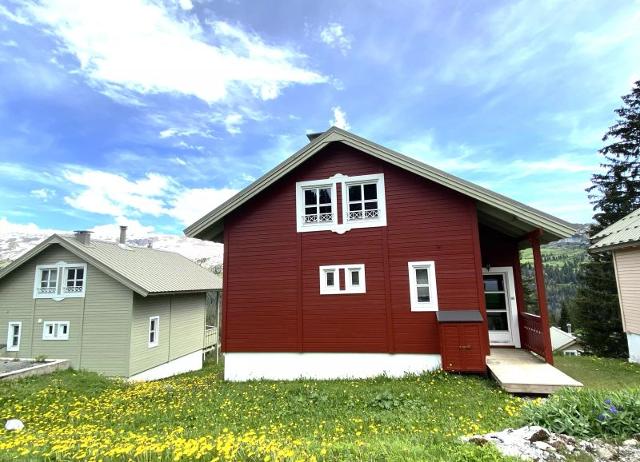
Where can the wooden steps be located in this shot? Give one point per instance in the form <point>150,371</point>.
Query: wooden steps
<point>520,371</point>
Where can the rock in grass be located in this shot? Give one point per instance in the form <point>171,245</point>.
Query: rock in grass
<point>630,442</point>
<point>13,425</point>
<point>538,434</point>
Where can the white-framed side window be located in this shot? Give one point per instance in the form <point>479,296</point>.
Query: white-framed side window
<point>55,330</point>
<point>342,279</point>
<point>364,201</point>
<point>154,331</point>
<point>14,333</point>
<point>422,286</point>
<point>60,280</point>
<point>316,205</point>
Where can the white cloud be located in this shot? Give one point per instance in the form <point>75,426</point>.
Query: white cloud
<point>179,161</point>
<point>6,227</point>
<point>191,204</point>
<point>43,194</point>
<point>232,123</point>
<point>129,47</point>
<point>333,35</point>
<point>113,194</point>
<point>156,195</point>
<point>186,4</point>
<point>339,118</point>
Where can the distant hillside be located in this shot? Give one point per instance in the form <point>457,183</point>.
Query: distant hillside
<point>561,261</point>
<point>205,253</point>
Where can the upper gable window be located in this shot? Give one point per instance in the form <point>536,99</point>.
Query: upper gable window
<point>316,205</point>
<point>364,199</point>
<point>363,203</point>
<point>60,280</point>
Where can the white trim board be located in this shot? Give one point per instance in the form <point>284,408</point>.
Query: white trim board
<point>240,367</point>
<point>187,363</point>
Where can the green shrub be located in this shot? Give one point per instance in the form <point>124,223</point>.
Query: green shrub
<point>587,413</point>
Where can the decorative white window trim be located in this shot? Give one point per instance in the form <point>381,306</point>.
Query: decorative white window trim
<point>364,218</point>
<point>372,218</point>
<point>57,287</point>
<point>324,221</point>
<point>55,330</point>
<point>11,336</point>
<point>344,273</point>
<point>153,336</point>
<point>432,304</point>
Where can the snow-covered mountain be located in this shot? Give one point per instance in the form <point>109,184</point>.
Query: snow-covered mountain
<point>205,253</point>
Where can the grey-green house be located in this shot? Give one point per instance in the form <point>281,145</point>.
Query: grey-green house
<point>118,310</point>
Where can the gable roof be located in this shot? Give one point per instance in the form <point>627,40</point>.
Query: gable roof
<point>509,216</point>
<point>143,270</point>
<point>561,339</point>
<point>623,233</point>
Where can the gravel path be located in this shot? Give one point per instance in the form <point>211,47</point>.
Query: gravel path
<point>8,365</point>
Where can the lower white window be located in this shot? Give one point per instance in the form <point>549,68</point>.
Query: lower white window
<point>13,336</point>
<point>571,353</point>
<point>422,286</point>
<point>342,279</point>
<point>154,331</point>
<point>55,330</point>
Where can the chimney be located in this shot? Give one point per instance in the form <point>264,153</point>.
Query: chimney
<point>123,235</point>
<point>568,328</point>
<point>84,237</point>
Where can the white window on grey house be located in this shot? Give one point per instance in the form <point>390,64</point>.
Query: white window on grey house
<point>154,331</point>
<point>55,330</point>
<point>364,201</point>
<point>48,280</point>
<point>353,277</point>
<point>13,336</point>
<point>74,280</point>
<point>422,286</point>
<point>60,280</point>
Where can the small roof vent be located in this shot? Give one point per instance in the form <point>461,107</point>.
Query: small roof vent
<point>83,236</point>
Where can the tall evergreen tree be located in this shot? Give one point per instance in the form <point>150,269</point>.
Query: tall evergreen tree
<point>614,194</point>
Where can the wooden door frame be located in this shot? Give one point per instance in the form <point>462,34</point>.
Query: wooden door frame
<point>511,300</point>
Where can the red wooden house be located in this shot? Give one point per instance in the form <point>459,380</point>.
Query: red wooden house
<point>352,260</point>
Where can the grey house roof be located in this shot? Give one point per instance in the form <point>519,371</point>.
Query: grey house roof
<point>505,214</point>
<point>623,233</point>
<point>145,271</point>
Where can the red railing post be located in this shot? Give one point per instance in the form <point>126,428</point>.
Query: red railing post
<point>534,239</point>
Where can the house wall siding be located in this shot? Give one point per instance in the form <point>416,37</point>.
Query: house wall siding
<point>627,263</point>
<point>272,299</point>
<point>98,338</point>
<point>181,329</point>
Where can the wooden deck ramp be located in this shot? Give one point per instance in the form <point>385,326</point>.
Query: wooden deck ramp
<point>520,371</point>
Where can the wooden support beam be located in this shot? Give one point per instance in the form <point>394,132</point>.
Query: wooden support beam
<point>534,239</point>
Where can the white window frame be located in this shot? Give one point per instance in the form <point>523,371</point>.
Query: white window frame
<point>155,331</point>
<point>432,304</point>
<point>381,219</point>
<point>61,291</point>
<point>57,330</point>
<point>10,346</point>
<point>301,187</point>
<point>346,271</point>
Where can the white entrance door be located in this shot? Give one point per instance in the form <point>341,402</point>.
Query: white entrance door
<point>502,312</point>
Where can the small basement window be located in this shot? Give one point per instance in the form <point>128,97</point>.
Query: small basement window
<point>422,286</point>
<point>352,275</point>
<point>13,336</point>
<point>55,330</point>
<point>154,330</point>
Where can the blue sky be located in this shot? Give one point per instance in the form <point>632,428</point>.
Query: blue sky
<point>152,113</point>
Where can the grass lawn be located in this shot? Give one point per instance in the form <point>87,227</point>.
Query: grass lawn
<point>71,415</point>
<point>602,373</point>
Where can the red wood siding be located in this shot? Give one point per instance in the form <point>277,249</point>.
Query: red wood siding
<point>272,298</point>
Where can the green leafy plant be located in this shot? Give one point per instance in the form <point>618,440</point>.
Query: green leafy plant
<point>588,413</point>
<point>40,359</point>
